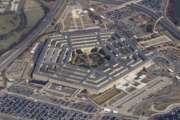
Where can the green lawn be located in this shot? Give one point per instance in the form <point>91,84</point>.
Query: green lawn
<point>33,12</point>
<point>8,23</point>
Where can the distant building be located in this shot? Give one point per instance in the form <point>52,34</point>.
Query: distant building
<point>9,6</point>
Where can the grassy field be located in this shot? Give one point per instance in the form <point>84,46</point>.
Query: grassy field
<point>8,23</point>
<point>33,13</point>
<point>107,95</point>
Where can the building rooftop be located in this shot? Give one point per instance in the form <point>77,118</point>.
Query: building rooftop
<point>53,63</point>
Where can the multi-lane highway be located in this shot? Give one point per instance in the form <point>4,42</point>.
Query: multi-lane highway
<point>164,22</point>
<point>124,5</point>
<point>31,37</point>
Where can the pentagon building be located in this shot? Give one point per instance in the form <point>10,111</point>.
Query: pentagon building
<point>53,62</point>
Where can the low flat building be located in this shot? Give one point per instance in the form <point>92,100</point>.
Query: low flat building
<point>9,6</point>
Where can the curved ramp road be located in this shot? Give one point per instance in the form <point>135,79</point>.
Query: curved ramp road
<point>164,22</point>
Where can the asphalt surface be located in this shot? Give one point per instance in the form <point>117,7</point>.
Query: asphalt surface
<point>40,29</point>
<point>164,22</point>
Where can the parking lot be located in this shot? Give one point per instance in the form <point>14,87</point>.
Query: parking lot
<point>25,108</point>
<point>153,5</point>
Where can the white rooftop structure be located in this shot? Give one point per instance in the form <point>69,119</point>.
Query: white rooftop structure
<point>9,5</point>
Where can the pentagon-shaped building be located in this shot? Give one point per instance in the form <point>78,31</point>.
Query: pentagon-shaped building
<point>122,59</point>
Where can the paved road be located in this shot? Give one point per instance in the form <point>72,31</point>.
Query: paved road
<point>126,103</point>
<point>41,28</point>
<point>164,22</point>
<point>124,5</point>
<point>165,111</point>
